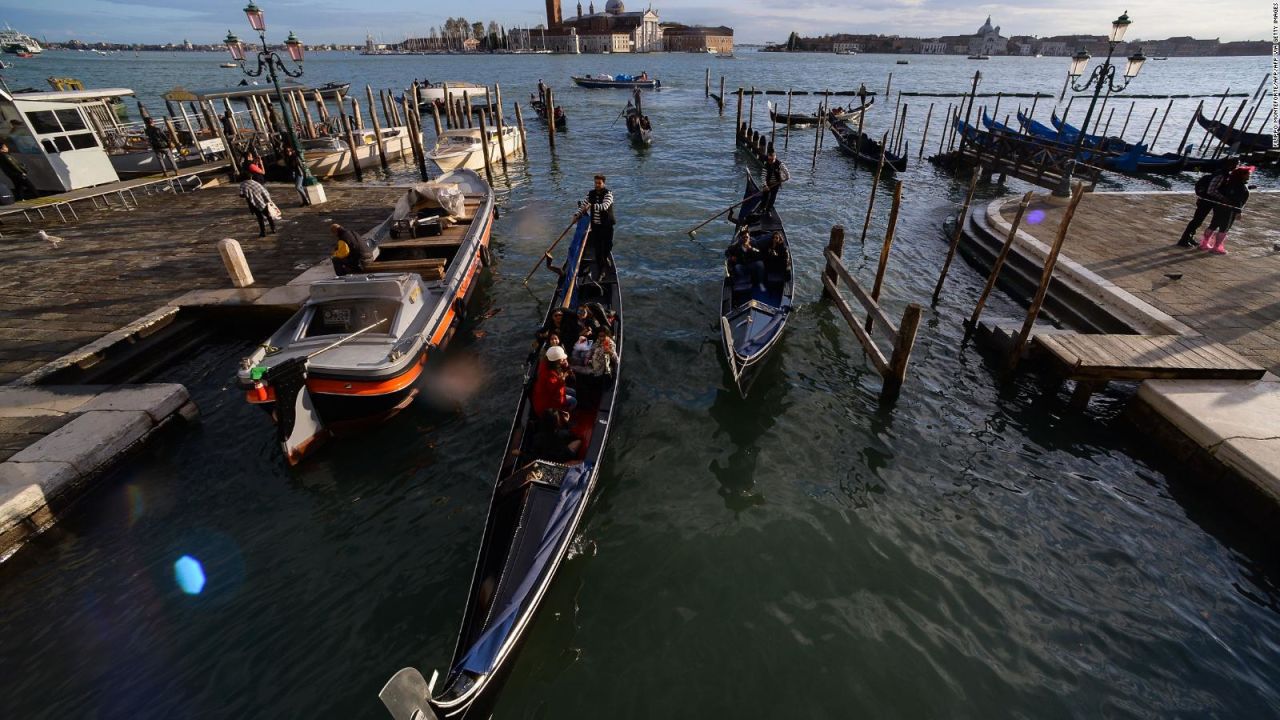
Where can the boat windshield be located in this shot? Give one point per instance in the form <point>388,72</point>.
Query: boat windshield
<point>340,317</point>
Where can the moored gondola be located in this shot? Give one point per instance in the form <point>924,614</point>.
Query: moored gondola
<point>865,150</point>
<point>1239,140</point>
<point>537,504</point>
<point>754,310</point>
<point>562,122</point>
<point>792,119</point>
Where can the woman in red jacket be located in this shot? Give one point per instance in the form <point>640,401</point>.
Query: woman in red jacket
<point>550,388</point>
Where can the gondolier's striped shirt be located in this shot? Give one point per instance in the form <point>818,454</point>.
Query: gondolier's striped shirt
<point>600,206</point>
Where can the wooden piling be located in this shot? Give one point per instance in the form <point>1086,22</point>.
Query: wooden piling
<point>871,198</point>
<point>786,135</point>
<point>751,112</point>
<point>1050,262</point>
<point>502,142</point>
<point>888,84</point>
<point>435,116</point>
<point>738,122</point>
<point>1107,127</point>
<point>1125,127</point>
<point>924,136</point>
<point>999,261</point>
<point>817,137</point>
<point>902,131</point>
<point>1222,144</point>
<point>322,110</point>
<point>484,149</point>
<point>903,341</point>
<point>1187,133</point>
<point>1147,129</point>
<point>466,107</point>
<point>884,249</point>
<point>1156,138</point>
<point>448,107</point>
<point>550,106</point>
<point>377,127</point>
<point>524,140</point>
<point>707,84</point>
<point>347,126</point>
<point>955,238</point>
<point>835,246</point>
<point>721,96</point>
<point>943,136</point>
<point>415,131</point>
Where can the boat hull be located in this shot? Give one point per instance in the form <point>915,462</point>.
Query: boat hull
<point>473,158</point>
<point>617,84</point>
<point>338,163</point>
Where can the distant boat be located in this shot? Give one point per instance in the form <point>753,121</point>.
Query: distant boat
<point>616,81</point>
<point>847,52</point>
<point>904,62</point>
<point>14,42</point>
<point>979,57</point>
<point>1163,58</point>
<point>228,65</point>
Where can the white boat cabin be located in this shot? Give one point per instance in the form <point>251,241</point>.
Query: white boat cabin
<point>53,135</point>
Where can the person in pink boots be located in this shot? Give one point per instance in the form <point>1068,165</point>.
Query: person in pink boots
<point>1231,197</point>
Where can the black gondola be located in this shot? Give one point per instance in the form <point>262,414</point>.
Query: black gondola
<point>752,317</point>
<point>1238,140</point>
<point>638,127</point>
<point>792,119</point>
<point>540,107</point>
<point>865,150</point>
<point>534,513</point>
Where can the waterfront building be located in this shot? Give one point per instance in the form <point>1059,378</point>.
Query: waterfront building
<point>681,38</point>
<point>600,32</point>
<point>988,40</point>
<point>844,47</point>
<point>933,46</point>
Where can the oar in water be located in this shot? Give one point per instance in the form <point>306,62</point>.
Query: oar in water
<point>553,247</point>
<point>694,230</point>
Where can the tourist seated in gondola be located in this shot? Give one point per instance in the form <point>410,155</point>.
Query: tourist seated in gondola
<point>587,320</point>
<point>553,440</point>
<point>551,389</point>
<point>581,353</point>
<point>644,123</point>
<point>776,271</point>
<point>746,263</point>
<point>600,364</point>
<point>563,324</point>
<point>559,114</point>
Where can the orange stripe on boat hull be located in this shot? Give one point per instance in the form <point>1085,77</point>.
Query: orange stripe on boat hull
<point>352,388</point>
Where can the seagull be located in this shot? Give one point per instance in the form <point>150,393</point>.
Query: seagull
<point>53,240</point>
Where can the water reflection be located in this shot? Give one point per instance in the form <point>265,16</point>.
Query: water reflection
<point>742,421</point>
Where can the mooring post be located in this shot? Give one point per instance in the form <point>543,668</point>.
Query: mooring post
<point>377,127</point>
<point>1187,133</point>
<point>502,142</point>
<point>550,107</point>
<point>751,112</point>
<point>435,116</point>
<point>484,147</point>
<point>1129,114</point>
<point>871,198</point>
<point>1156,138</point>
<point>466,105</point>
<point>884,250</point>
<point>322,111</point>
<point>835,246</point>
<point>888,84</point>
<point>721,103</point>
<point>924,136</point>
<point>738,122</point>
<point>448,106</point>
<point>942,137</point>
<point>1147,129</point>
<point>233,259</point>
<point>524,140</point>
<point>973,93</point>
<point>903,342</point>
<point>999,262</point>
<point>786,134</point>
<point>773,129</point>
<point>1106,127</point>
<point>1221,142</point>
<point>902,131</point>
<point>1045,277</point>
<point>415,131</point>
<point>347,123</point>
<point>955,238</point>
<point>707,84</point>
<point>816,138</point>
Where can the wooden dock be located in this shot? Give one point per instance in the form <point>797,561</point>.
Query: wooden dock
<point>1094,360</point>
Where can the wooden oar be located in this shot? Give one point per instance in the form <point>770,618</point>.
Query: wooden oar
<point>553,247</point>
<point>694,230</point>
<point>573,278</point>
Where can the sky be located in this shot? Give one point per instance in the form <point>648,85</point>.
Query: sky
<point>754,21</point>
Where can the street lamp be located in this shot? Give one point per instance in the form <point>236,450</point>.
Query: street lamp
<point>270,62</point>
<point>1102,76</point>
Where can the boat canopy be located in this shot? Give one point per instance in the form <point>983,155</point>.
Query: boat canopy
<point>181,94</point>
<point>73,95</point>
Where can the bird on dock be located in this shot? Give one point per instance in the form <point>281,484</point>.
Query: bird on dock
<point>53,240</point>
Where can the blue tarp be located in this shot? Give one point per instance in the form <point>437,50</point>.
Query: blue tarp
<point>480,659</point>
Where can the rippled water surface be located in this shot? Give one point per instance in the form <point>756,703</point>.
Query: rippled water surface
<point>976,550</point>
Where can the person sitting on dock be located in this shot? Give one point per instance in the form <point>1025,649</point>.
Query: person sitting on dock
<point>745,262</point>
<point>17,174</point>
<point>775,173</point>
<point>599,204</point>
<point>260,204</point>
<point>553,439</point>
<point>1206,195</point>
<point>551,389</point>
<point>1232,194</point>
<point>352,253</point>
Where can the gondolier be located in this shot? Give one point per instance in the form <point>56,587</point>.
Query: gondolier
<point>775,173</point>
<point>599,205</point>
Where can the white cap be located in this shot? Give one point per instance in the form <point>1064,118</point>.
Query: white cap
<point>555,353</point>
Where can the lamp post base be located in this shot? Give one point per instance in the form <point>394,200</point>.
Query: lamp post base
<point>315,194</point>
<point>1063,190</point>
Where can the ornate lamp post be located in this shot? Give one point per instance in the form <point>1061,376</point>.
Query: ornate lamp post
<point>1102,76</point>
<point>270,62</point>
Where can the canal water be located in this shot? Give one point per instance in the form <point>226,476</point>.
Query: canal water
<point>976,550</point>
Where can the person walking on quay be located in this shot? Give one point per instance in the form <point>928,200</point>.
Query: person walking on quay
<point>1232,194</point>
<point>297,173</point>
<point>260,204</point>
<point>1206,193</point>
<point>17,174</point>
<point>775,173</point>
<point>599,204</point>
<point>160,145</point>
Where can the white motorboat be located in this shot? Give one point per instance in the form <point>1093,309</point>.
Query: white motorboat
<point>461,148</point>
<point>435,92</point>
<point>330,157</point>
<point>16,43</point>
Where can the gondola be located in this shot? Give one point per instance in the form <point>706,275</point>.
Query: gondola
<point>1117,155</point>
<point>752,318</point>
<point>792,119</point>
<point>1240,141</point>
<point>638,127</point>
<point>562,123</point>
<point>865,150</point>
<point>534,513</point>
<point>353,353</point>
<point>850,114</point>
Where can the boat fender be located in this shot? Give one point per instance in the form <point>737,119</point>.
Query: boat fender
<point>486,256</point>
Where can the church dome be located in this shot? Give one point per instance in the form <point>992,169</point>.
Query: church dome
<point>614,7</point>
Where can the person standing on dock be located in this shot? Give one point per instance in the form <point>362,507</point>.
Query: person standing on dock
<point>1206,197</point>
<point>17,174</point>
<point>159,145</point>
<point>775,173</point>
<point>1233,193</point>
<point>599,204</point>
<point>260,204</point>
<point>293,165</point>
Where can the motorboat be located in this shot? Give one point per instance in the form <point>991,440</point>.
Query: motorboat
<point>330,157</point>
<point>352,354</point>
<point>642,81</point>
<point>537,505</point>
<point>16,43</point>
<point>461,148</point>
<point>434,93</point>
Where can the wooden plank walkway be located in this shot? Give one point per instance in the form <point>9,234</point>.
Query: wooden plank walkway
<point>1094,360</point>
